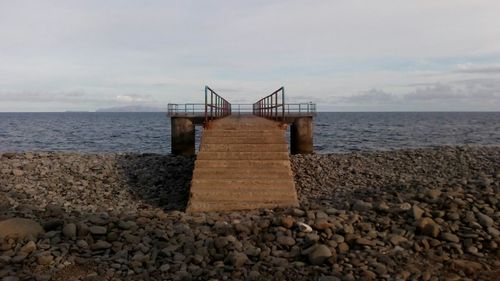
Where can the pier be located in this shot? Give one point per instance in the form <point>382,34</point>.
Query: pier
<point>243,161</point>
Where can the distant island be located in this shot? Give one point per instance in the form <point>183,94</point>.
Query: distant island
<point>131,108</point>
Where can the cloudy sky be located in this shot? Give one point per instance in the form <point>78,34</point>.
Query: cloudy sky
<point>351,55</point>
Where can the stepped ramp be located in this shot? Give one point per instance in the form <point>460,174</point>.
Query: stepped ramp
<point>243,163</point>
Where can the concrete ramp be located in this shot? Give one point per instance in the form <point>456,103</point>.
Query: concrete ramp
<point>243,163</point>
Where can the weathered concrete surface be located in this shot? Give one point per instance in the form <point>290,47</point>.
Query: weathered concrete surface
<point>301,136</point>
<point>183,136</point>
<point>243,163</point>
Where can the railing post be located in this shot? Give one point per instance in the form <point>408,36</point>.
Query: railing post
<point>211,104</point>
<point>283,102</point>
<point>206,105</point>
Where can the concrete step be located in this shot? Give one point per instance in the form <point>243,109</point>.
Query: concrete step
<point>205,155</point>
<point>211,206</point>
<point>243,184</point>
<point>241,174</point>
<point>246,127</point>
<point>244,147</point>
<point>242,133</point>
<point>242,164</point>
<point>245,196</point>
<point>244,140</point>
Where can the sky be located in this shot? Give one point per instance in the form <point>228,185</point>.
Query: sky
<point>400,55</point>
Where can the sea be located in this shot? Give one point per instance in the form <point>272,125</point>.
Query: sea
<point>334,132</point>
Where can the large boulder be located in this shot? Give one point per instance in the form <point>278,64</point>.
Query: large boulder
<point>20,228</point>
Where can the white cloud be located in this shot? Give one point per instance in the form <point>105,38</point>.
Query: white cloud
<point>166,51</point>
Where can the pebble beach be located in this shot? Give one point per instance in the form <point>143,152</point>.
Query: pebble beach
<point>420,214</point>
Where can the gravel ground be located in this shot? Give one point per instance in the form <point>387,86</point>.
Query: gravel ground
<point>427,214</point>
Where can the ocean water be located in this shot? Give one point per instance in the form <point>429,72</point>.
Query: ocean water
<point>334,132</point>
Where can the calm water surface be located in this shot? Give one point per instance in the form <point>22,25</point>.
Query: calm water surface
<point>333,132</point>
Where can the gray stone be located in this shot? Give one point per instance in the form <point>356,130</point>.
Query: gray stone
<point>493,231</point>
<point>318,254</point>
<point>237,259</point>
<point>17,172</point>
<point>29,247</point>
<point>362,206</point>
<point>428,227</point>
<point>397,239</point>
<point>304,227</point>
<point>365,242</point>
<point>69,230</point>
<point>98,230</point>
<point>433,194</point>
<point>285,240</point>
<point>10,278</point>
<point>45,259</point>
<point>450,237</point>
<point>101,245</point>
<point>82,244</point>
<point>381,206</point>
<point>484,220</point>
<point>165,267</point>
<point>126,225</point>
<point>417,212</point>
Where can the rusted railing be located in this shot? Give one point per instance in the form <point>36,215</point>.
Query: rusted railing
<point>272,106</point>
<point>215,105</point>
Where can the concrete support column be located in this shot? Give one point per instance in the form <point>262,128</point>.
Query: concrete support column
<point>183,136</point>
<point>301,136</point>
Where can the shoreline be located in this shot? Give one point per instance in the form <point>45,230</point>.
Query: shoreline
<point>396,215</point>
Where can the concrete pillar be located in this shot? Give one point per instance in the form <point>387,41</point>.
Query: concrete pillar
<point>183,136</point>
<point>301,136</point>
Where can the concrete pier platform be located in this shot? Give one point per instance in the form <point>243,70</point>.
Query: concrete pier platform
<point>243,163</point>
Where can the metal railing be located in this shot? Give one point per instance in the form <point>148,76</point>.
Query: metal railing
<point>272,106</point>
<point>187,109</point>
<point>300,109</point>
<point>215,105</point>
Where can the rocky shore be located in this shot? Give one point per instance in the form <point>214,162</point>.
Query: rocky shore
<point>427,214</point>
